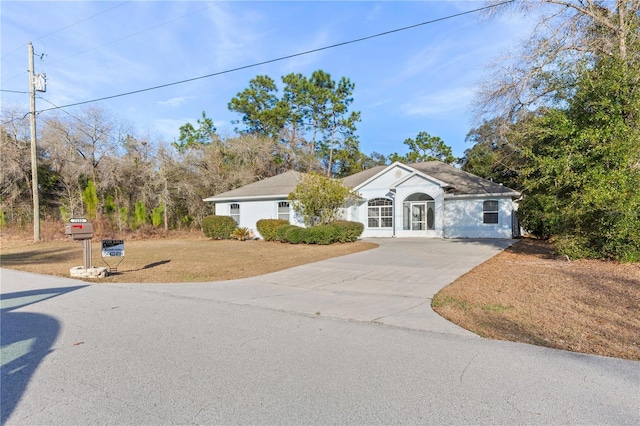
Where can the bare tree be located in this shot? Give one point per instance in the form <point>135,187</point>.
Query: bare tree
<point>15,173</point>
<point>568,37</point>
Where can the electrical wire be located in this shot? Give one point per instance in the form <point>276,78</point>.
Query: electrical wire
<point>13,91</point>
<point>112,41</point>
<point>282,58</point>
<point>68,26</point>
<point>66,112</point>
<point>15,119</point>
<point>135,34</point>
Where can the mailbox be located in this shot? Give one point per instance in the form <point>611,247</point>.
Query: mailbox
<point>79,230</point>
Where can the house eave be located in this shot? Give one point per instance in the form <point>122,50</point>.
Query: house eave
<point>489,195</point>
<point>246,198</point>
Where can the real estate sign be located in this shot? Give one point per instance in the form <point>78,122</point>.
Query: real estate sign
<point>112,248</point>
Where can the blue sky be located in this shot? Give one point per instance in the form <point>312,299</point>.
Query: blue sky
<point>421,79</point>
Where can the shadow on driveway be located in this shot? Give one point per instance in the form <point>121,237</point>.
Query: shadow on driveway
<point>26,339</point>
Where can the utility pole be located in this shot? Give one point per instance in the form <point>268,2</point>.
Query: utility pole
<point>34,157</point>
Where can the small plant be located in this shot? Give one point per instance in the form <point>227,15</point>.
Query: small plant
<point>241,234</point>
<point>218,227</point>
<point>90,198</point>
<point>139,215</point>
<point>157,215</point>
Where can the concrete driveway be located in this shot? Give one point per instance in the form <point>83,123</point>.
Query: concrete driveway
<point>392,284</point>
<point>80,353</point>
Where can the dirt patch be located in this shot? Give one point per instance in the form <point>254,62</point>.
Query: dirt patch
<point>528,294</point>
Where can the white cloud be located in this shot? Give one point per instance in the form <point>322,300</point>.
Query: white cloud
<point>439,104</point>
<point>174,102</point>
<point>235,37</point>
<point>374,13</point>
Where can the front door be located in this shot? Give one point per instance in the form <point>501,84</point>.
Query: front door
<point>421,215</point>
<point>418,216</point>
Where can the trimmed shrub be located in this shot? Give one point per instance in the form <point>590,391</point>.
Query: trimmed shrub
<point>281,232</point>
<point>320,234</point>
<point>268,227</point>
<point>294,234</point>
<point>218,227</point>
<point>346,231</point>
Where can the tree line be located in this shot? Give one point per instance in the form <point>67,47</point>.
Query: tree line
<point>562,125</point>
<point>92,164</point>
<point>559,120</point>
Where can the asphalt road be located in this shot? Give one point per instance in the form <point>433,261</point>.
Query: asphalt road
<point>74,353</point>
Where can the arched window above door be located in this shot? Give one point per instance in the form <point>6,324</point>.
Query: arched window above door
<point>419,196</point>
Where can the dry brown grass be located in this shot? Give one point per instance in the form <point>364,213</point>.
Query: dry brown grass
<point>187,258</point>
<point>527,294</point>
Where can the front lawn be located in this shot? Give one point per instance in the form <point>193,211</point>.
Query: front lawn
<point>179,259</point>
<point>528,294</point>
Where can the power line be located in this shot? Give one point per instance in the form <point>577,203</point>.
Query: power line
<point>282,58</point>
<point>135,34</point>
<point>13,91</point>
<point>66,112</point>
<point>14,119</point>
<point>68,26</point>
<point>112,41</point>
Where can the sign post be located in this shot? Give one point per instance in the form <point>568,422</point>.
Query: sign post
<point>113,248</point>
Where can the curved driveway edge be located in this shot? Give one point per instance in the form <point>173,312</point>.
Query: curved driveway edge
<point>76,354</point>
<point>392,284</point>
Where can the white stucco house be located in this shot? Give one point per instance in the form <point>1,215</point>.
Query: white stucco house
<point>429,199</point>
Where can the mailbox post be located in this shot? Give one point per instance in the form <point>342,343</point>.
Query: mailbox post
<point>81,230</point>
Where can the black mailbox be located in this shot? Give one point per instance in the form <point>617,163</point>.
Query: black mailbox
<point>79,230</point>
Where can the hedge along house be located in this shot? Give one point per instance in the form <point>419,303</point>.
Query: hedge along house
<point>430,199</point>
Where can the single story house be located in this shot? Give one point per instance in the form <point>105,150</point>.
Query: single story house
<point>429,199</point>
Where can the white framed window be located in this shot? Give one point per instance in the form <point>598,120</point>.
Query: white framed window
<point>490,212</point>
<point>283,210</point>
<point>234,212</point>
<point>380,213</point>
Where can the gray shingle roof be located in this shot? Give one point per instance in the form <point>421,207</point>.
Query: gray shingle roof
<point>278,185</point>
<point>461,183</point>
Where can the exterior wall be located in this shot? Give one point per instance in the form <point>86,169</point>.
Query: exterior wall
<point>412,186</point>
<point>463,219</point>
<point>380,188</point>
<point>454,217</point>
<point>252,211</point>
